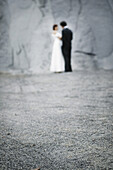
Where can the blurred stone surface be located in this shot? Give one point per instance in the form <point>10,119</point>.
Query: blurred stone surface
<point>25,31</point>
<point>57,121</point>
<point>5,48</point>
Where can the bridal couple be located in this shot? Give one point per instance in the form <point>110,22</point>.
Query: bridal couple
<point>61,52</point>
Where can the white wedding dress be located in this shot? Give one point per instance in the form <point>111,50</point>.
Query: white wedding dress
<point>57,60</point>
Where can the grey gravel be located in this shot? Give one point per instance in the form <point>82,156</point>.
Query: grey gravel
<point>57,121</point>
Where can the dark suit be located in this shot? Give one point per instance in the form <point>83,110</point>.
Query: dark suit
<point>67,36</point>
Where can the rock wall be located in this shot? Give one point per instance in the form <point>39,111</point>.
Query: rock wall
<point>5,48</point>
<point>25,31</point>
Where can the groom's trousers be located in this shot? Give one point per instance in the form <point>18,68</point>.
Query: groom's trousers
<point>67,58</point>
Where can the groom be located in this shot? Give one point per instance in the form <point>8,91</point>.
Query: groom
<point>67,36</point>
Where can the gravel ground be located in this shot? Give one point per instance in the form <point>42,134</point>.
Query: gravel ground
<point>57,121</point>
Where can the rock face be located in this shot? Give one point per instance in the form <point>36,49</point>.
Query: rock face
<point>5,48</point>
<point>25,31</point>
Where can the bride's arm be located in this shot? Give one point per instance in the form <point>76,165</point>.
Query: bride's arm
<point>59,36</point>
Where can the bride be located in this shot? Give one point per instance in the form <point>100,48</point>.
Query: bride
<point>57,60</point>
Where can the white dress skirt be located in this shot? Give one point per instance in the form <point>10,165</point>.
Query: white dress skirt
<point>57,60</point>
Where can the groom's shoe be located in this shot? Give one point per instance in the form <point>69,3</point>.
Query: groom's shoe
<point>68,70</point>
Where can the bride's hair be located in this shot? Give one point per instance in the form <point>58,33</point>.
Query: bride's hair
<point>54,26</point>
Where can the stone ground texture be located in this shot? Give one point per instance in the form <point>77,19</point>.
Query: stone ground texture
<point>57,121</point>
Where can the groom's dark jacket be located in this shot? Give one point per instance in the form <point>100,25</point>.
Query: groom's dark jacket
<point>67,36</point>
